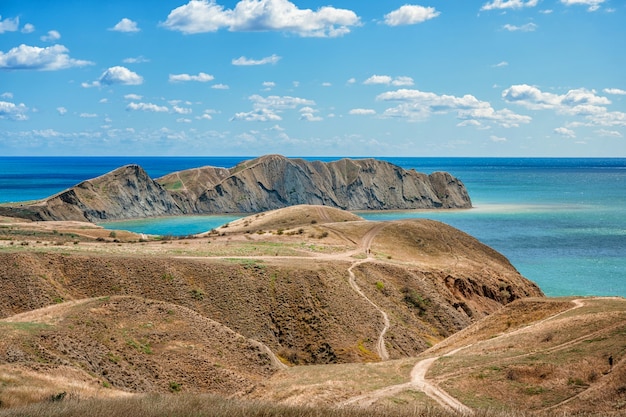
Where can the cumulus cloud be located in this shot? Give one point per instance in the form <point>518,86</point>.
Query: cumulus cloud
<point>220,87</point>
<point>528,27</point>
<point>201,77</point>
<point>243,61</point>
<point>257,115</point>
<point>362,112</point>
<point>51,58</point>
<point>135,97</point>
<point>8,24</point>
<point>388,80</point>
<point>51,36</point>
<point>116,75</point>
<point>565,132</point>
<point>501,64</point>
<point>181,110</point>
<point>12,111</point>
<point>593,4</point>
<point>577,102</point>
<point>308,113</point>
<point>200,16</point>
<point>416,105</point>
<point>410,15</point>
<point>615,91</point>
<point>266,109</point>
<point>125,25</point>
<point>61,110</point>
<point>508,4</point>
<point>147,107</point>
<point>28,28</point>
<point>6,95</point>
<point>88,115</point>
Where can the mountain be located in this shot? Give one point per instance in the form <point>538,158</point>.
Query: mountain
<point>257,185</point>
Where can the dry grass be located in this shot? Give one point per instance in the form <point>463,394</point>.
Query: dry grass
<point>212,406</point>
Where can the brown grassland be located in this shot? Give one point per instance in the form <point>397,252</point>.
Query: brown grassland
<point>306,311</point>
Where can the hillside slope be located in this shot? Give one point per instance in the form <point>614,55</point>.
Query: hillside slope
<point>258,185</point>
<point>304,285</point>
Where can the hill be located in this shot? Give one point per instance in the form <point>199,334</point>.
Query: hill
<point>258,185</point>
<point>361,303</point>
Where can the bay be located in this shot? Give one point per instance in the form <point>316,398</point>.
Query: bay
<point>560,221</point>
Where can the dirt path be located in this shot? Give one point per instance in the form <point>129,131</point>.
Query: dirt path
<point>419,381</point>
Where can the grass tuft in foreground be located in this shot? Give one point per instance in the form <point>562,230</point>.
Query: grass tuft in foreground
<point>181,405</point>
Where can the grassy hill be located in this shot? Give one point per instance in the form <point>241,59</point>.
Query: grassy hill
<point>226,320</point>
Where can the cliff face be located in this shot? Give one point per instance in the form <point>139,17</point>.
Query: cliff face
<point>261,184</point>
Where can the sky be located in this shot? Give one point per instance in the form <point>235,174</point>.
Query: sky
<point>494,78</point>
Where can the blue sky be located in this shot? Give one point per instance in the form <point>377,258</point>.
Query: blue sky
<point>310,78</point>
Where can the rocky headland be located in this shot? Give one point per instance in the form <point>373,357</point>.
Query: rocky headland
<point>265,183</point>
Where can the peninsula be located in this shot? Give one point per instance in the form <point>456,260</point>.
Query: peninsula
<point>266,183</point>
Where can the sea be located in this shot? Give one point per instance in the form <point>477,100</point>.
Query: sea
<point>560,221</point>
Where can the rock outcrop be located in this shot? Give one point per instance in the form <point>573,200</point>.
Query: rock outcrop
<point>261,184</point>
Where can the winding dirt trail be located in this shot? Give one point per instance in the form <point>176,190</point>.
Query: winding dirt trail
<point>419,381</point>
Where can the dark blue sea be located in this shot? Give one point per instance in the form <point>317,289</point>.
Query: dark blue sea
<point>560,221</point>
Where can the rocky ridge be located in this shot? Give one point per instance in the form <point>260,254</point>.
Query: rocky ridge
<point>257,185</point>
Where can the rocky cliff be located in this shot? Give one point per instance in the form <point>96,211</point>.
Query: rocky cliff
<point>261,184</point>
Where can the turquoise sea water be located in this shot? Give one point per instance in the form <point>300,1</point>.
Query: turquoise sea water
<point>561,222</point>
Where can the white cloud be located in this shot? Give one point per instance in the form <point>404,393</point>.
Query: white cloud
<point>181,110</point>
<point>387,80</point>
<point>573,102</point>
<point>243,61</point>
<point>135,97</point>
<point>206,115</point>
<point>51,36</point>
<point>501,64</point>
<point>200,16</point>
<point>609,133</point>
<point>28,28</point>
<point>88,115</point>
<point>183,120</point>
<point>258,115</point>
<point>362,112</point>
<point>201,77</point>
<point>268,108</point>
<point>147,107</point>
<point>593,4</point>
<point>116,75</point>
<point>12,111</point>
<point>8,24</point>
<point>269,84</point>
<point>577,102</point>
<point>508,4</point>
<point>418,105</point>
<point>351,81</point>
<point>327,84</point>
<point>136,60</point>
<point>528,27</point>
<point>308,114</point>
<point>565,132</point>
<point>279,102</point>
<point>6,95</point>
<point>495,138</point>
<point>410,15</point>
<point>125,25</point>
<point>220,87</point>
<point>615,91</point>
<point>51,58</point>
